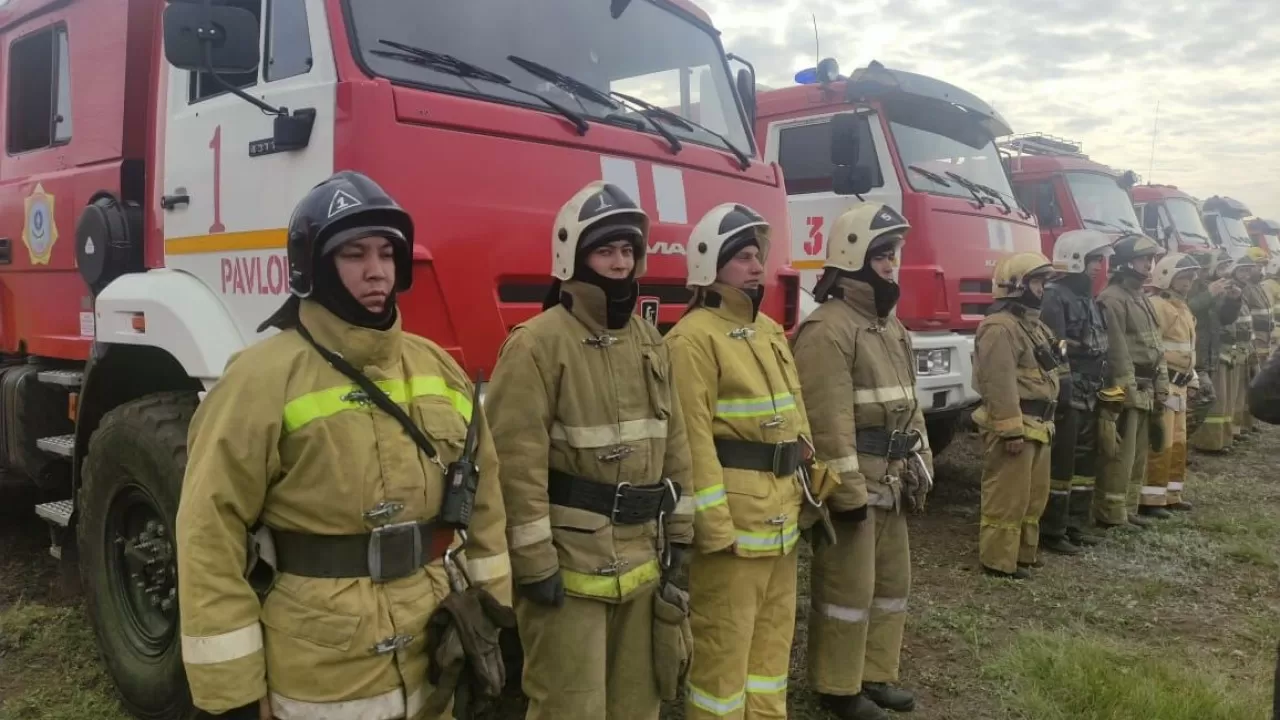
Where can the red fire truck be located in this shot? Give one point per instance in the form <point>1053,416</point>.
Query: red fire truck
<point>1225,217</point>
<point>1066,190</point>
<point>1171,216</point>
<point>927,149</point>
<point>155,151</point>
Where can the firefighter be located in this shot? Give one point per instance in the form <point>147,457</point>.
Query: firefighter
<point>746,422</point>
<point>1171,282</point>
<point>1016,372</point>
<point>1216,303</point>
<point>345,502</point>
<point>1272,287</point>
<point>1258,305</point>
<point>1136,364</point>
<point>857,372</point>
<point>594,457</point>
<point>1069,309</point>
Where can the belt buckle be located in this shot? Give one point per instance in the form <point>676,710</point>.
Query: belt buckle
<point>617,502</point>
<point>780,457</point>
<point>388,547</point>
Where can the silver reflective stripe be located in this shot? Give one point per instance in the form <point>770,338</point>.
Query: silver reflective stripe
<point>489,568</point>
<point>686,506</point>
<point>389,705</point>
<point>1175,485</point>
<point>519,536</point>
<point>1179,347</point>
<point>844,614</point>
<point>416,702</point>
<point>846,464</point>
<point>597,436</point>
<point>222,648</point>
<point>1059,492</point>
<point>890,605</point>
<point>1153,490</point>
<point>885,394</point>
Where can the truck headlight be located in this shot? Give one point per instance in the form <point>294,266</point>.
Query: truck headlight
<point>933,362</point>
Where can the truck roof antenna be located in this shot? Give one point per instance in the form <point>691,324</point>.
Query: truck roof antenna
<point>817,48</point>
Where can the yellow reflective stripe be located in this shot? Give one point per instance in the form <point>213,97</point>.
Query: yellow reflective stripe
<point>783,539</point>
<point>708,498</point>
<point>1001,524</point>
<point>596,436</point>
<point>846,464</point>
<point>611,587</point>
<point>766,685</point>
<point>755,406</point>
<point>222,648</point>
<point>719,706</point>
<point>331,401</point>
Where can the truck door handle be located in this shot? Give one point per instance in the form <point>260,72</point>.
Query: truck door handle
<point>169,202</point>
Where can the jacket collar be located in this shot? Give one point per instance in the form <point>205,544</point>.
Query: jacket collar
<point>729,303</point>
<point>858,295</point>
<point>360,346</point>
<point>589,305</point>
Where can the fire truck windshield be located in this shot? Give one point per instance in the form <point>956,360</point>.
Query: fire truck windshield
<point>1236,231</point>
<point>1186,218</point>
<point>649,52</point>
<point>1099,198</point>
<point>943,145</point>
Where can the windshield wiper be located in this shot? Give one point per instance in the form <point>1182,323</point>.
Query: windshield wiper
<point>1124,233</point>
<point>930,174</point>
<point>685,124</point>
<point>450,65</point>
<point>577,88</point>
<point>969,185</point>
<point>999,196</point>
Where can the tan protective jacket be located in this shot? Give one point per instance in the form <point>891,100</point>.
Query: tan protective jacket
<point>857,372</point>
<point>281,440</point>
<point>1259,306</point>
<point>1272,287</point>
<point>570,395</point>
<point>1005,372</point>
<point>736,379</point>
<point>1178,328</point>
<point>1134,340</point>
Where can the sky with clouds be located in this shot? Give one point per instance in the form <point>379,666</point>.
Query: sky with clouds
<point>1087,70</point>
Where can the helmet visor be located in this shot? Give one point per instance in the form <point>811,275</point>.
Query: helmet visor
<point>338,239</point>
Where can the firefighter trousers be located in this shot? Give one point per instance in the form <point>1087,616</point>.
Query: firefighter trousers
<point>858,591</point>
<point>1215,434</point>
<point>589,659</point>
<point>1243,419</point>
<point>1167,468</point>
<point>1062,463</point>
<point>742,615</point>
<point>1015,490</point>
<point>1120,480</point>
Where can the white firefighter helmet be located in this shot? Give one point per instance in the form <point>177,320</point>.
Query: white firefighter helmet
<point>1013,271</point>
<point>724,227</point>
<point>858,231</point>
<point>1170,267</point>
<point>1273,266</point>
<point>1073,248</point>
<point>598,213</point>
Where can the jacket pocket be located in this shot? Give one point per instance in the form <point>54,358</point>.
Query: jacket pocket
<point>440,422</point>
<point>748,483</point>
<point>658,383</point>
<point>583,539</point>
<point>786,364</point>
<point>290,616</point>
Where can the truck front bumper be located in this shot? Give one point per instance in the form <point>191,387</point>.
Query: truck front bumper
<point>944,371</point>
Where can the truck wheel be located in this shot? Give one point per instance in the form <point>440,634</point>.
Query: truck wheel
<point>132,477</point>
<point>941,432</point>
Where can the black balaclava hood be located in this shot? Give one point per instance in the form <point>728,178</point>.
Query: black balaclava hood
<point>733,246</point>
<point>1078,283</point>
<point>331,293</point>
<point>620,294</point>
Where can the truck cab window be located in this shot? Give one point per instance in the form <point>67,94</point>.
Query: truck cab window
<point>288,40</point>
<point>203,86</point>
<point>804,152</point>
<point>1044,202</point>
<point>39,91</point>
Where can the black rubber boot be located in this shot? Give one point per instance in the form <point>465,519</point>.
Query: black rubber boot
<point>890,697</point>
<point>1083,538</point>
<point>1155,511</point>
<point>1019,574</point>
<point>852,707</point>
<point>1059,545</point>
<point>1183,506</point>
<point>1139,520</point>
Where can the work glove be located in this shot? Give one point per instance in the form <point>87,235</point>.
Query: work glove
<point>1155,431</point>
<point>549,592</point>
<point>464,652</point>
<point>1013,446</point>
<point>676,557</point>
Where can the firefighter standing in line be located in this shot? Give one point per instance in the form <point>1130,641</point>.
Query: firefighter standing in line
<point>1216,303</point>
<point>1070,311</point>
<point>746,421</point>
<point>1136,359</point>
<point>593,459</point>
<point>1016,374</point>
<point>856,370</point>
<point>1259,307</point>
<point>1242,344</point>
<point>1172,280</point>
<point>1272,287</point>
<point>351,502</point>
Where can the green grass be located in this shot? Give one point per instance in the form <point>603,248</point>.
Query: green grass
<point>1075,675</point>
<point>49,667</point>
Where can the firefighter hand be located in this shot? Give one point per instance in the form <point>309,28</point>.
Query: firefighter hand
<point>678,554</point>
<point>1234,290</point>
<point>1013,446</point>
<point>1219,286</point>
<point>549,592</point>
<point>264,709</point>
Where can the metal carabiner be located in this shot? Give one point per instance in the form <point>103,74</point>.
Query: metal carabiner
<point>459,580</point>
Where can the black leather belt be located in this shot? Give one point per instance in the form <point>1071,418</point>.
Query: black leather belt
<point>781,459</point>
<point>1145,372</point>
<point>623,504</point>
<point>1180,379</point>
<point>1042,409</point>
<point>1263,324</point>
<point>387,553</point>
<point>881,443</point>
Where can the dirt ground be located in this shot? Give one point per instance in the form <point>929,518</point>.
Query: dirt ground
<point>1180,621</point>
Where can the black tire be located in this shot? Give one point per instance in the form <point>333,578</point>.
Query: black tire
<point>132,478</point>
<point>942,431</point>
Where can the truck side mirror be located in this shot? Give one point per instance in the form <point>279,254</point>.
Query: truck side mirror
<point>851,180</point>
<point>1168,233</point>
<point>747,91</point>
<point>224,36</point>
<point>844,139</point>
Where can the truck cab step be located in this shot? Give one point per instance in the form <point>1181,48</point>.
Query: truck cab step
<point>58,514</point>
<point>64,445</point>
<point>65,378</point>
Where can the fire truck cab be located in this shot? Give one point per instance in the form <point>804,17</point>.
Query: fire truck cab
<point>1172,217</point>
<point>927,149</point>
<point>155,151</point>
<point>1224,217</point>
<point>1066,190</point>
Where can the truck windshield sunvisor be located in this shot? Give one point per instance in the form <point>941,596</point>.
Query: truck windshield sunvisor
<point>947,144</point>
<point>649,52</point>
<point>1186,218</point>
